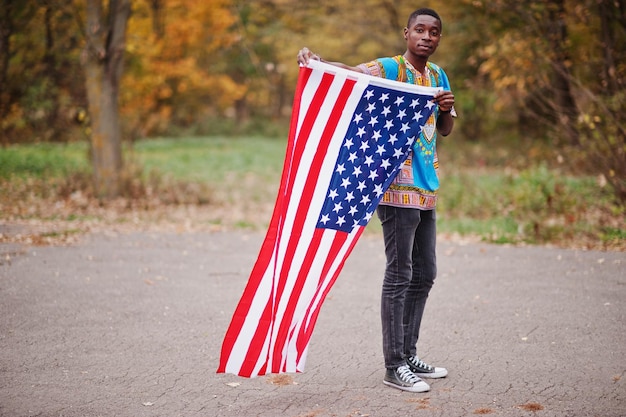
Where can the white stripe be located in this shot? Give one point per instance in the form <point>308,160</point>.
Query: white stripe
<point>378,81</point>
<point>317,201</point>
<point>292,210</point>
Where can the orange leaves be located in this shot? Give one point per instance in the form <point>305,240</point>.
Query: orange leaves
<point>171,51</point>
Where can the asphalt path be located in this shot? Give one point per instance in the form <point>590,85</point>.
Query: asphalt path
<point>132,325</point>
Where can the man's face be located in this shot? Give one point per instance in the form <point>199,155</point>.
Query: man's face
<point>422,37</point>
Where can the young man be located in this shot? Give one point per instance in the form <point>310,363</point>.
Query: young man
<point>407,210</point>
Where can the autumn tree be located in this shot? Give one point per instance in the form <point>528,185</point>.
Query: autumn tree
<point>105,34</point>
<point>176,75</point>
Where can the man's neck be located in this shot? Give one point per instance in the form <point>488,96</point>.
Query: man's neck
<point>418,63</point>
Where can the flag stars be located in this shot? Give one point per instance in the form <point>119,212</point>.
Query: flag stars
<point>370,153</point>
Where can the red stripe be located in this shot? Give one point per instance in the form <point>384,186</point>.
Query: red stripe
<point>285,324</point>
<point>302,214</point>
<point>256,344</point>
<point>307,331</point>
<point>269,243</point>
<point>292,161</point>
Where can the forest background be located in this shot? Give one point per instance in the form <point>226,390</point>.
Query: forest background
<point>86,87</point>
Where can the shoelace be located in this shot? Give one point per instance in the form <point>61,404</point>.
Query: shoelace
<point>406,375</point>
<point>418,363</point>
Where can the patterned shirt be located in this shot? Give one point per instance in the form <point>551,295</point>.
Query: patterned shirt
<point>417,183</point>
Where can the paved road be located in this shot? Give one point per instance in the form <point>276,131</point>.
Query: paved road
<point>131,325</point>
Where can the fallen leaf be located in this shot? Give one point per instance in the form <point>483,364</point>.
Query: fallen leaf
<point>281,379</point>
<point>531,407</point>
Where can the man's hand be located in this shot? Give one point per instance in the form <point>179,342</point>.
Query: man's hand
<point>445,100</point>
<point>305,55</point>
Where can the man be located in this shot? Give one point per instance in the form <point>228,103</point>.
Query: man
<point>407,210</point>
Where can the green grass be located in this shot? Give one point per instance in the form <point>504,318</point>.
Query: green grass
<point>43,160</point>
<point>531,204</point>
<point>212,159</point>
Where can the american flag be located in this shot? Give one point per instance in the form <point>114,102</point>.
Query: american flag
<point>348,137</point>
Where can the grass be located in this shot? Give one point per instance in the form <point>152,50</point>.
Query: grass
<point>238,178</point>
<point>214,159</point>
<point>43,160</point>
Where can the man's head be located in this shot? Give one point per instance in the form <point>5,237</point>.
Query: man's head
<point>423,33</point>
<point>424,11</point>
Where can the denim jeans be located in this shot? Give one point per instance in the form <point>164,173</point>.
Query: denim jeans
<point>410,238</point>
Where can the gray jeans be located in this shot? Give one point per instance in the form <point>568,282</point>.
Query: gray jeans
<point>410,238</point>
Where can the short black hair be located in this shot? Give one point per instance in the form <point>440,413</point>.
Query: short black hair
<point>427,11</point>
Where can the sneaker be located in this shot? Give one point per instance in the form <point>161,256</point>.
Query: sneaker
<point>402,378</point>
<point>423,370</point>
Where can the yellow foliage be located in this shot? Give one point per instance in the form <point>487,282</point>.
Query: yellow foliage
<point>175,59</point>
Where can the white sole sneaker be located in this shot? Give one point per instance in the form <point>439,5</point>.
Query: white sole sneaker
<point>418,387</point>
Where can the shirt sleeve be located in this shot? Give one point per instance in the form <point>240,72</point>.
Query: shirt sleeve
<point>445,83</point>
<point>381,67</point>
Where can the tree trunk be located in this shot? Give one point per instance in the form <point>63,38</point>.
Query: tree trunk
<point>565,104</point>
<point>104,59</point>
<point>607,14</point>
<point>6,30</point>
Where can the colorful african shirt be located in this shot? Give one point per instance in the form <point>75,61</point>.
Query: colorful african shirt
<point>417,182</point>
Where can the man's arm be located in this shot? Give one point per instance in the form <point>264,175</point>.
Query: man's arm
<point>305,55</point>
